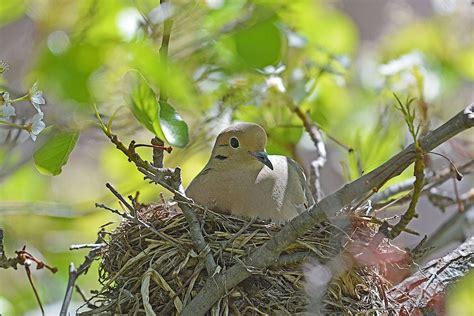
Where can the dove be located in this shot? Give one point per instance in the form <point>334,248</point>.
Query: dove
<point>243,180</point>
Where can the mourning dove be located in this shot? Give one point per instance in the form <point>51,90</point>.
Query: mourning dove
<point>241,179</point>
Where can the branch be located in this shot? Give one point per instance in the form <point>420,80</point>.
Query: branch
<point>433,279</point>
<point>315,165</point>
<point>419,172</point>
<point>74,274</point>
<point>6,262</point>
<point>268,253</point>
<point>430,182</point>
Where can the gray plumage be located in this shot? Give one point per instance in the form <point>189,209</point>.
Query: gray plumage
<point>241,179</point>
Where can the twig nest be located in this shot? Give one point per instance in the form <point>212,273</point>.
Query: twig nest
<point>159,271</point>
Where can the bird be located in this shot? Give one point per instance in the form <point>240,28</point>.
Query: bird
<point>241,179</point>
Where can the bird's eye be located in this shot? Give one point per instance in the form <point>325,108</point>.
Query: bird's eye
<point>234,142</point>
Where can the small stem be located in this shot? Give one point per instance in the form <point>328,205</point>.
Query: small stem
<point>168,25</point>
<point>30,279</point>
<point>165,148</point>
<point>23,98</point>
<point>454,168</point>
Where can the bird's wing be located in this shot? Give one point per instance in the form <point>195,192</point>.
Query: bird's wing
<point>303,182</point>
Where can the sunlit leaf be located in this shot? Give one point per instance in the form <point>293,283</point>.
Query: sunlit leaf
<point>173,126</point>
<point>53,150</point>
<point>160,118</point>
<point>259,45</point>
<point>142,101</point>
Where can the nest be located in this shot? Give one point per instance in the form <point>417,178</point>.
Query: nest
<point>142,270</point>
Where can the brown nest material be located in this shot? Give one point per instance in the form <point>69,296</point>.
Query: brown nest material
<point>141,270</point>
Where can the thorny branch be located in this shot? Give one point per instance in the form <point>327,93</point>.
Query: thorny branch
<point>266,254</point>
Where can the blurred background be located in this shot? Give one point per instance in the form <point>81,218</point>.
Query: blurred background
<point>229,60</point>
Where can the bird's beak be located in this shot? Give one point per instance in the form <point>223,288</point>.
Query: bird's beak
<point>262,157</point>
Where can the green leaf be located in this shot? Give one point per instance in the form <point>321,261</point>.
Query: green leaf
<point>142,101</point>
<point>53,149</point>
<point>259,45</point>
<point>173,126</point>
<point>160,118</point>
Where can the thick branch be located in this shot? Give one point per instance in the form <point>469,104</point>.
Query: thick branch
<point>268,253</point>
<point>433,279</point>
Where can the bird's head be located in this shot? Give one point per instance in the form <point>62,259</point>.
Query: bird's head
<point>241,143</point>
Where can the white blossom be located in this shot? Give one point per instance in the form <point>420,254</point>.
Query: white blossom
<point>6,109</point>
<point>129,21</point>
<point>275,82</point>
<point>36,97</point>
<point>37,125</point>
<point>401,71</point>
<point>405,62</point>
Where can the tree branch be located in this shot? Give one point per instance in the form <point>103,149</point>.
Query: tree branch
<point>268,253</point>
<point>6,262</point>
<point>431,181</point>
<point>433,279</point>
<point>317,164</point>
<point>83,268</point>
